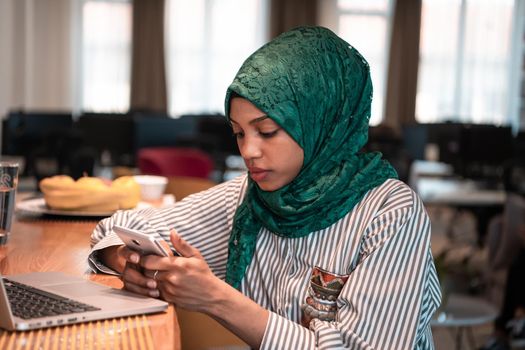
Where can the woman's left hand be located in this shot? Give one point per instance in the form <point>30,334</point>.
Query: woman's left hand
<point>185,280</point>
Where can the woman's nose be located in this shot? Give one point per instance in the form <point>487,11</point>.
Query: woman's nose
<point>250,148</point>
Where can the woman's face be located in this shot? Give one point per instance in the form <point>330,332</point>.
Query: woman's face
<point>273,158</point>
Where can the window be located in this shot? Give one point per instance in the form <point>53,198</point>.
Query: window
<point>366,25</point>
<point>207,41</point>
<point>466,65</point>
<point>106,55</point>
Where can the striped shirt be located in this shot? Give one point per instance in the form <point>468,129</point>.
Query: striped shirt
<point>383,244</point>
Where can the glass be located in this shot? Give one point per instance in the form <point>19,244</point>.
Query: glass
<point>8,185</point>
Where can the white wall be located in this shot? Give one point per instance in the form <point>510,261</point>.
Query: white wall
<point>35,59</point>
<point>6,47</point>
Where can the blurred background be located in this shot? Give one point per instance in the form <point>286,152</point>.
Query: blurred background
<point>73,64</point>
<point>105,87</point>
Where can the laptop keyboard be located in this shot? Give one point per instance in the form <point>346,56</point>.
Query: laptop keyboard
<point>28,302</point>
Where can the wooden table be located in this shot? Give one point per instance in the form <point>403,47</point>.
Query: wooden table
<point>56,244</point>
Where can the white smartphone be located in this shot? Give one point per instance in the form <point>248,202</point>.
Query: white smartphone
<point>142,243</point>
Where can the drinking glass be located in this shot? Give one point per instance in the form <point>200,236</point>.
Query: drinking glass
<point>8,185</point>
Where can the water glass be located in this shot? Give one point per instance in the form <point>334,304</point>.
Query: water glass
<point>8,185</point>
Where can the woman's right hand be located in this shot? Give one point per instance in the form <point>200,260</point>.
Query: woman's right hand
<point>125,261</point>
<point>133,275</point>
<point>113,258</point>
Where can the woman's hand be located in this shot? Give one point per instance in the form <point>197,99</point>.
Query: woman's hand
<point>126,261</point>
<point>186,281</point>
<point>113,258</point>
<point>135,278</point>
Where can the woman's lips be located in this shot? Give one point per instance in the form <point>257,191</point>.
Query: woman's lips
<point>258,174</point>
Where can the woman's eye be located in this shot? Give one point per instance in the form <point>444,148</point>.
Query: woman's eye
<point>238,134</point>
<point>268,134</point>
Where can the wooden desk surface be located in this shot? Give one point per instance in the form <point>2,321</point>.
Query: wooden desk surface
<point>457,193</point>
<point>436,184</point>
<point>60,245</point>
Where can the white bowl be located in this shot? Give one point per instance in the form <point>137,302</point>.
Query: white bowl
<point>151,186</point>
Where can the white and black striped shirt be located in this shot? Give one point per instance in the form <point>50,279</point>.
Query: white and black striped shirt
<point>383,244</point>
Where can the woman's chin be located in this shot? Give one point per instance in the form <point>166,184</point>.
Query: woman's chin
<point>268,186</point>
<point>265,187</point>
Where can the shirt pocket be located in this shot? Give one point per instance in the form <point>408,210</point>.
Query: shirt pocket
<point>321,298</point>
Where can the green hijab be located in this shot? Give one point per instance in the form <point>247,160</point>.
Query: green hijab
<point>318,89</point>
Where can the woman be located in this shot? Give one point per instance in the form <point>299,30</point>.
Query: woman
<point>320,246</point>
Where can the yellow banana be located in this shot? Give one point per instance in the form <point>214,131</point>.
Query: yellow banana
<point>90,194</point>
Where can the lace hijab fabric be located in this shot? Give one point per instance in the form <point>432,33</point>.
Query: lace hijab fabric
<point>318,89</point>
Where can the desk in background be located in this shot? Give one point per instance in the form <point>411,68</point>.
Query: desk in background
<point>436,185</point>
<point>457,192</point>
<point>51,244</point>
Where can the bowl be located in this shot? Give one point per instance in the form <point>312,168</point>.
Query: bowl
<point>151,186</point>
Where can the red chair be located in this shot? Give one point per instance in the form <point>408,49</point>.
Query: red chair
<point>174,161</point>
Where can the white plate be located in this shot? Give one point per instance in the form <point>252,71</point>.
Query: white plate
<point>38,206</point>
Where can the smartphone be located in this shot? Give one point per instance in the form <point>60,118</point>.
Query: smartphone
<point>140,242</point>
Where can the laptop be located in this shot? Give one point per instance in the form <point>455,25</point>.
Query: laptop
<point>65,299</point>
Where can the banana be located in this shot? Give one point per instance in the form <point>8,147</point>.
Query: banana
<point>90,194</point>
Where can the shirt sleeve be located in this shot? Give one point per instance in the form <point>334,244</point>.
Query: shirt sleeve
<point>390,295</point>
<point>203,219</point>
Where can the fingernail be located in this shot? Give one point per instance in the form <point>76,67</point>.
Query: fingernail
<point>154,293</point>
<point>134,258</point>
<point>152,284</point>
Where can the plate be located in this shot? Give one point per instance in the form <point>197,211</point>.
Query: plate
<point>38,206</point>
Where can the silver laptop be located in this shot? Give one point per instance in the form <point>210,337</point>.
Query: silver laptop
<point>64,299</point>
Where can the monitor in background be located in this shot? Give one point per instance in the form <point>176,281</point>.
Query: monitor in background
<point>415,138</point>
<point>443,136</point>
<point>217,130</point>
<point>387,140</point>
<point>30,134</point>
<point>519,146</point>
<point>111,135</point>
<point>484,151</point>
<point>155,131</point>
<point>25,130</point>
<point>447,137</point>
